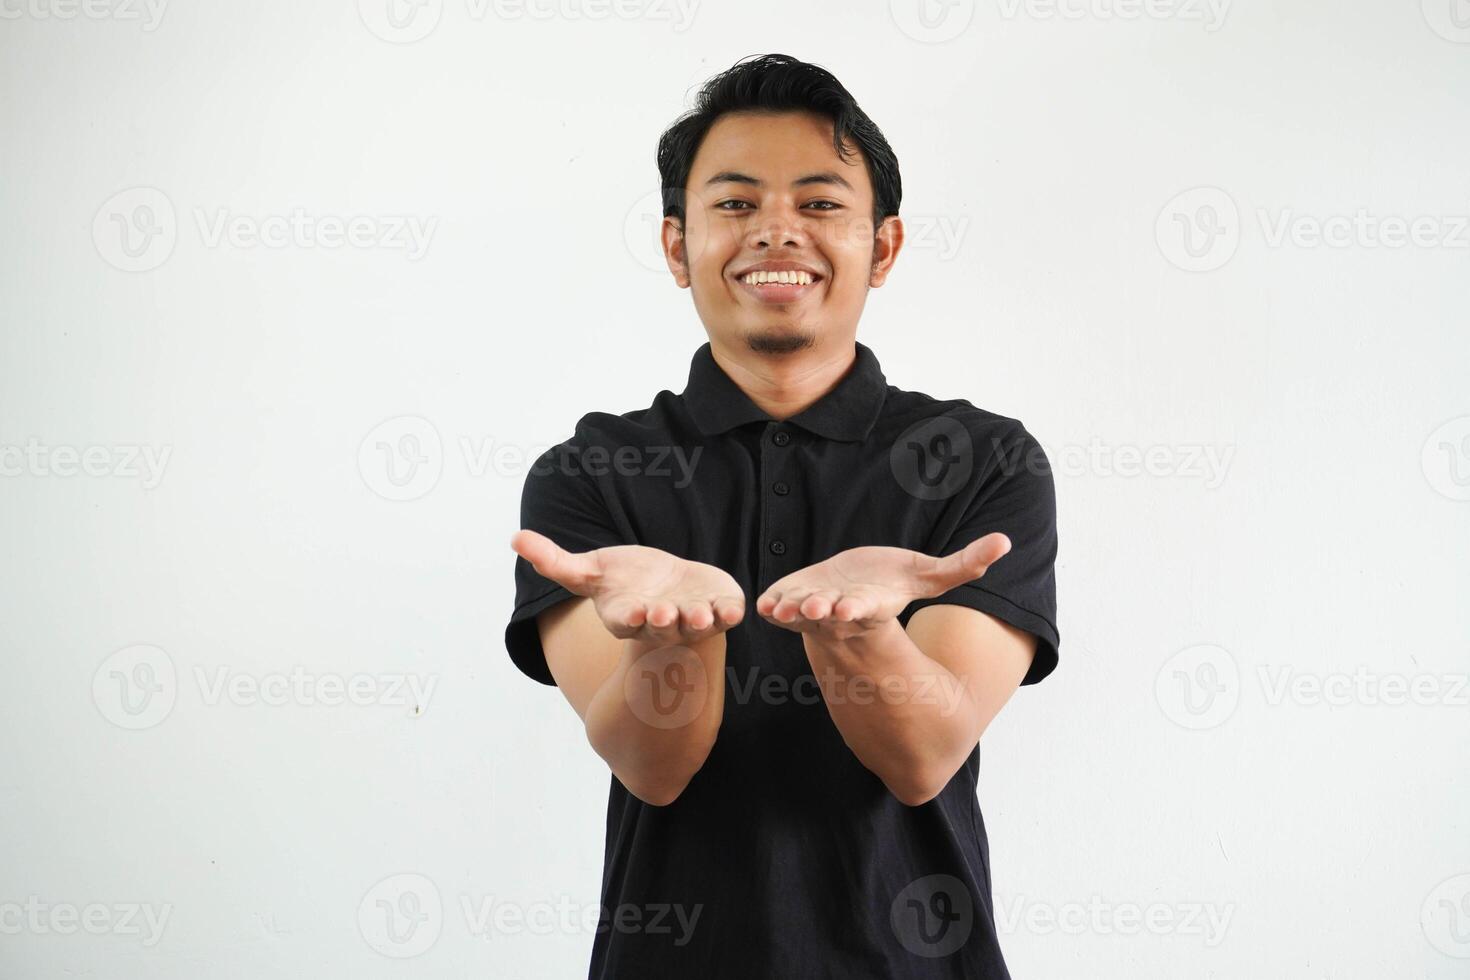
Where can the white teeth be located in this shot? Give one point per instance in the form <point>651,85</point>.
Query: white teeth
<point>790,278</point>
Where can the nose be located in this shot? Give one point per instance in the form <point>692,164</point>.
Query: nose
<point>777,225</point>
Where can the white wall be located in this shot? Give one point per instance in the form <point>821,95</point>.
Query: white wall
<point>1051,163</point>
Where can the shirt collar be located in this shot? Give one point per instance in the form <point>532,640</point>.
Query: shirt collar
<point>846,413</point>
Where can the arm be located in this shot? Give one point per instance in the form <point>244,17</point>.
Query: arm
<point>934,689</point>
<point>639,653</point>
<point>595,669</point>
<point>911,704</point>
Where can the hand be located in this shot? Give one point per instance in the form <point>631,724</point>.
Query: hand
<point>860,589</point>
<point>641,593</point>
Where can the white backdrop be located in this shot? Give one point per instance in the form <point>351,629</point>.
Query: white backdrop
<point>291,294</point>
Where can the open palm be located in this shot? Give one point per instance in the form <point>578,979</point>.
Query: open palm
<point>641,592</point>
<point>860,588</point>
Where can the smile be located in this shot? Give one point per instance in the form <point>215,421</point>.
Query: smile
<point>779,287</point>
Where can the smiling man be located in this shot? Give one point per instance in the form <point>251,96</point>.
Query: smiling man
<point>787,654</point>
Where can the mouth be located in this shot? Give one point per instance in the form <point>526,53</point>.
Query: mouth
<point>780,287</point>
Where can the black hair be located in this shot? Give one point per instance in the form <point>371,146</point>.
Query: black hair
<point>777,83</point>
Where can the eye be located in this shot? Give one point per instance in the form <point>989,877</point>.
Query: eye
<point>746,205</point>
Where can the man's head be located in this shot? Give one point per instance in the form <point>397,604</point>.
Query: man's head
<point>777,168</point>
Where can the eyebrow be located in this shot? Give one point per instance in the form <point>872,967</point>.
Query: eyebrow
<point>734,177</point>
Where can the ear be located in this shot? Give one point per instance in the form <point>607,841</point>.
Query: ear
<point>887,241</point>
<point>671,236</point>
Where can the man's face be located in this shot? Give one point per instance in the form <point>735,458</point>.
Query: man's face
<point>769,190</point>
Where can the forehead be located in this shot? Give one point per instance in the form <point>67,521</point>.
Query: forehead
<point>775,148</point>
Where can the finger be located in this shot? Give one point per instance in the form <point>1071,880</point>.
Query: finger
<point>696,616</point>
<point>789,608</point>
<point>729,611</point>
<point>969,563</point>
<point>662,613</point>
<point>767,602</point>
<point>819,605</point>
<point>625,616</point>
<point>570,569</point>
<point>851,608</point>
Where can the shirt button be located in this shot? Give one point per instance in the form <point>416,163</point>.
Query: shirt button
<point>780,488</point>
<point>778,547</point>
<point>781,438</point>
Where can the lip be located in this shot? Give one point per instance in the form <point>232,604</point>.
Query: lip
<point>779,292</point>
<point>778,265</point>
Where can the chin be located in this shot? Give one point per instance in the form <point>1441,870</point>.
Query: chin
<point>780,340</point>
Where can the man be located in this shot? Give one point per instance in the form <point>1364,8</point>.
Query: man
<point>787,602</point>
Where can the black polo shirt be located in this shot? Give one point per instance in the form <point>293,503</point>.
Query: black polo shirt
<point>785,857</point>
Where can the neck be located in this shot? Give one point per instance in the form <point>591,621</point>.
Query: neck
<point>783,385</point>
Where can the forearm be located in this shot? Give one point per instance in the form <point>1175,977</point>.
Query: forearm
<point>655,717</point>
<point>904,715</point>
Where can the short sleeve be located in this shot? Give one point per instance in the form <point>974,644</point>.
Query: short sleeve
<point>565,502</point>
<point>1014,493</point>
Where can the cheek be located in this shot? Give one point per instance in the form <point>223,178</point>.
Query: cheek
<point>850,255</point>
<point>850,279</point>
<point>706,239</point>
<point>711,280</point>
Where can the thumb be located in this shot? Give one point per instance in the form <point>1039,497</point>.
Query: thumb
<point>575,571</point>
<point>970,562</point>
